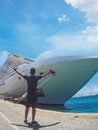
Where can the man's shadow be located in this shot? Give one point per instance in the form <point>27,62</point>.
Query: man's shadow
<point>36,126</point>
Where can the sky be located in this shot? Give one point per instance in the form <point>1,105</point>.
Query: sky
<point>42,29</point>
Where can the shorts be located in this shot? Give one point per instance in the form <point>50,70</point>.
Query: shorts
<point>31,100</point>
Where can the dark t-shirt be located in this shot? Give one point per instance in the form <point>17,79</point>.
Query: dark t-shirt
<point>32,82</point>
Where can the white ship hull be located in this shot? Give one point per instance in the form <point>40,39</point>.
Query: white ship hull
<point>72,73</point>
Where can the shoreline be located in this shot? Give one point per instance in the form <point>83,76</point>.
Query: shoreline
<point>63,109</point>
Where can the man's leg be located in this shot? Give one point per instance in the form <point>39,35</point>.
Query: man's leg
<point>28,100</point>
<point>33,114</point>
<point>34,101</point>
<point>26,113</point>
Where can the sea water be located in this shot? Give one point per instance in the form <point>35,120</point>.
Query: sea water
<point>88,104</point>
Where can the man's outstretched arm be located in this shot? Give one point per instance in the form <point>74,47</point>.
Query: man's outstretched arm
<point>18,72</point>
<point>48,72</point>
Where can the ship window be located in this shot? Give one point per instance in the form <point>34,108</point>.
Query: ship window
<point>28,60</point>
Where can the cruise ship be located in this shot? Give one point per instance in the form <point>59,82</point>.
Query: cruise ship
<point>71,74</point>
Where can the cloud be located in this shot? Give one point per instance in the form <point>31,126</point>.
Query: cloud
<point>73,44</point>
<point>89,7</point>
<point>63,19</point>
<point>88,90</point>
<point>80,43</point>
<point>3,57</point>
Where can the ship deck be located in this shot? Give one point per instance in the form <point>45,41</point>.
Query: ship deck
<point>12,117</point>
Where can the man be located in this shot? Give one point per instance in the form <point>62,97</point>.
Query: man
<point>32,81</point>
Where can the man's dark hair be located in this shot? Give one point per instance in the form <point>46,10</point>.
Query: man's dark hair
<point>32,70</point>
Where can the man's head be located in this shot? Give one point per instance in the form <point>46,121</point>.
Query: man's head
<point>32,71</point>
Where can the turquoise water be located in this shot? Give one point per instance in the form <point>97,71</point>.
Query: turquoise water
<point>88,104</point>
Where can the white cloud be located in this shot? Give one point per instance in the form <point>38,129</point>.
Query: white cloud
<point>63,19</point>
<point>3,57</point>
<point>82,43</point>
<point>46,54</point>
<point>88,90</point>
<point>73,44</point>
<point>89,7</point>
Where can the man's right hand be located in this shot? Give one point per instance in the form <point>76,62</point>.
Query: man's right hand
<point>52,71</point>
<point>14,69</point>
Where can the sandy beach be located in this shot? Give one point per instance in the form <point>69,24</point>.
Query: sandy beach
<point>12,117</point>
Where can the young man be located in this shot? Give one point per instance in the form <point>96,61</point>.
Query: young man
<point>32,81</point>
